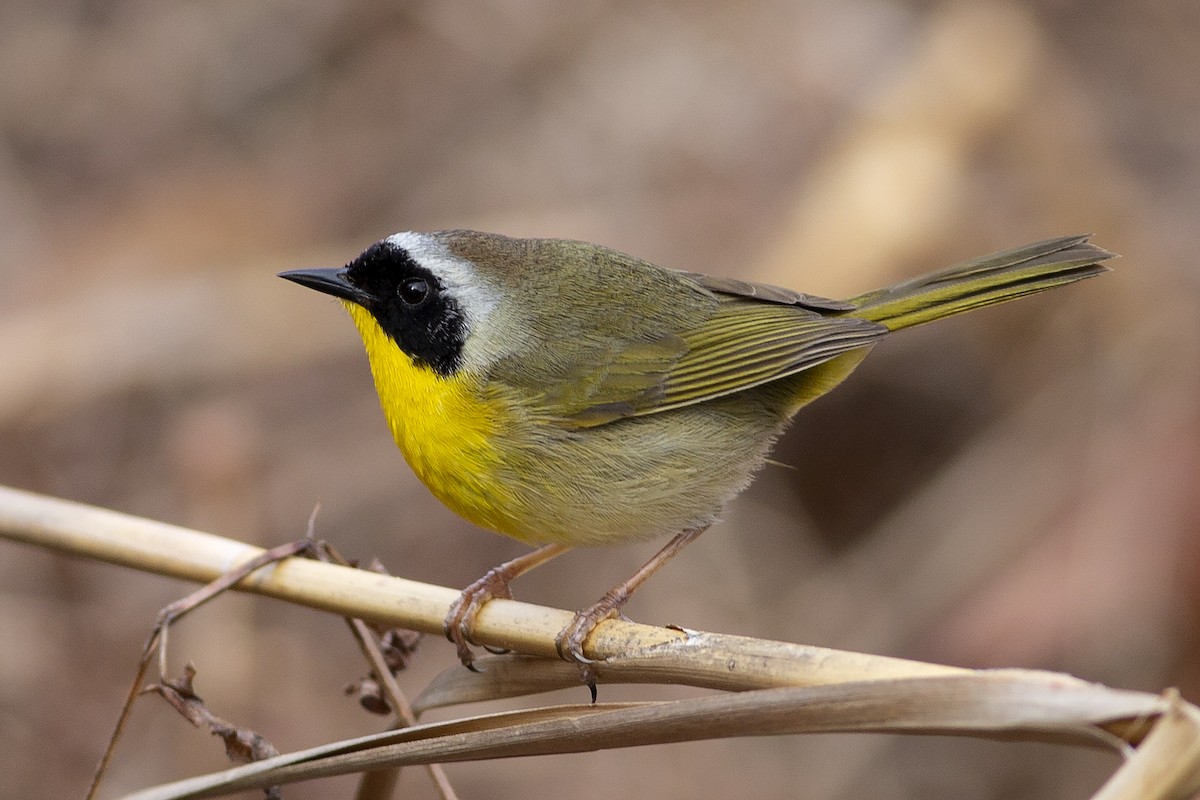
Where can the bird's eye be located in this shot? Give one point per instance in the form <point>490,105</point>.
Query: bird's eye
<point>414,291</point>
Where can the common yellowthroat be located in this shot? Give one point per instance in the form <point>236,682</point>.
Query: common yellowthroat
<point>566,394</point>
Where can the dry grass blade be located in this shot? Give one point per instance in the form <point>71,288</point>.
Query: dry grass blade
<point>362,753</point>
<point>1166,765</point>
<point>999,704</point>
<point>709,660</point>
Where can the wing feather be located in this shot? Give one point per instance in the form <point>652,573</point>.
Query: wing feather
<point>766,293</point>
<point>746,343</point>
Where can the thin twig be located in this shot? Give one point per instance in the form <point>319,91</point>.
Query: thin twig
<point>157,641</point>
<point>381,783</point>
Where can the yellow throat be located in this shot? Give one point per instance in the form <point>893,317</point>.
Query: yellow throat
<point>441,425</point>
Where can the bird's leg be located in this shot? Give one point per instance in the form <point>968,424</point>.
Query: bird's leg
<point>493,584</point>
<point>572,638</point>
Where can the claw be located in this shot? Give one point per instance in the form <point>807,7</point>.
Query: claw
<point>461,618</point>
<point>571,639</point>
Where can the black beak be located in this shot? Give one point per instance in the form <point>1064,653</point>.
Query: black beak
<point>329,280</point>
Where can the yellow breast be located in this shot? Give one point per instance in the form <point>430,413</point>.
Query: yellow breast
<point>443,426</point>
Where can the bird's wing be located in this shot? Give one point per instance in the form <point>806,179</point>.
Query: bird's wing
<point>748,343</point>
<point>745,343</point>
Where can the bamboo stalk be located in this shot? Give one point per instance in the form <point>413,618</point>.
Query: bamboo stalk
<point>631,651</point>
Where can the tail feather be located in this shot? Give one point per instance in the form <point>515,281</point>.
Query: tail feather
<point>994,278</point>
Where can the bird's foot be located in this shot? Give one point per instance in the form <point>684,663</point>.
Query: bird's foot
<point>460,621</point>
<point>571,639</point>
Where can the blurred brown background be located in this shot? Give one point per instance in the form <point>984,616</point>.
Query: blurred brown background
<point>1016,487</point>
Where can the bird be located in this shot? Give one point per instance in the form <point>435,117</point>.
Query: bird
<point>569,395</point>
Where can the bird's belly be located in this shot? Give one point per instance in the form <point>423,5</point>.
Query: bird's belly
<point>637,478</point>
